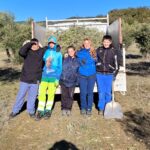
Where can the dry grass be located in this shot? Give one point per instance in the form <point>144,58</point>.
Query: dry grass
<point>78,132</point>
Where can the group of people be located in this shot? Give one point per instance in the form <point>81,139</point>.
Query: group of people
<point>84,67</point>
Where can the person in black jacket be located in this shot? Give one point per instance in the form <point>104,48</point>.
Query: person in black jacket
<point>30,76</point>
<point>107,69</point>
<point>68,80</point>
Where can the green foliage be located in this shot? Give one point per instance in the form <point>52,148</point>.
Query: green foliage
<point>76,35</point>
<point>142,37</point>
<point>132,20</point>
<point>23,33</point>
<point>13,34</point>
<point>128,32</point>
<point>6,21</point>
<point>135,27</point>
<point>130,15</point>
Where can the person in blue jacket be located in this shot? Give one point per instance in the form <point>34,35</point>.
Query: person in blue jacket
<point>68,80</point>
<point>87,76</point>
<point>50,79</point>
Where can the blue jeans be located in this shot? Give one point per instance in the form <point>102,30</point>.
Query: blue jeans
<point>104,83</point>
<point>32,90</point>
<point>86,91</point>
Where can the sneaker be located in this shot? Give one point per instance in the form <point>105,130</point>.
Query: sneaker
<point>39,115</point>
<point>100,112</point>
<point>64,112</point>
<point>12,115</point>
<point>89,112</point>
<point>68,112</point>
<point>83,112</point>
<point>32,115</point>
<point>47,114</point>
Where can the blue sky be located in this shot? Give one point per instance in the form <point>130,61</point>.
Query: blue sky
<point>61,9</point>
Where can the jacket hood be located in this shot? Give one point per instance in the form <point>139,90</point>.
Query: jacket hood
<point>52,39</point>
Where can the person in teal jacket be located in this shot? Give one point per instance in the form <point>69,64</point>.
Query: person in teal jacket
<point>50,78</point>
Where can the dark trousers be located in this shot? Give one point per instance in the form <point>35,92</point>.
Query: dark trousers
<point>67,97</point>
<point>86,91</point>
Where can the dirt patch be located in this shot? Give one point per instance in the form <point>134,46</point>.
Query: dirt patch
<point>77,132</point>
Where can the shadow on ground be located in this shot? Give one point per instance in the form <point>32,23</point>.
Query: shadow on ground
<point>137,123</point>
<point>63,145</point>
<point>9,74</point>
<point>57,98</point>
<point>141,68</point>
<point>133,56</point>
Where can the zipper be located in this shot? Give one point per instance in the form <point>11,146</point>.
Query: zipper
<point>111,67</point>
<point>104,60</point>
<point>116,62</point>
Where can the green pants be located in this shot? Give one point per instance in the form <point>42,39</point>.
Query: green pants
<point>48,88</point>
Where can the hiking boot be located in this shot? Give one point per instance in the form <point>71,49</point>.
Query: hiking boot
<point>12,115</point>
<point>100,112</point>
<point>39,115</point>
<point>32,115</point>
<point>89,112</point>
<point>64,112</point>
<point>68,112</point>
<point>47,114</point>
<point>83,112</point>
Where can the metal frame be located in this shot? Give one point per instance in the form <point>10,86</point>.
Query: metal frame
<point>76,22</point>
<point>122,71</point>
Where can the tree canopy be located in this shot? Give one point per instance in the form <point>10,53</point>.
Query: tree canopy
<point>135,28</point>
<point>13,34</point>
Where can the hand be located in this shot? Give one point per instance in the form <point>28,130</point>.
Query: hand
<point>33,43</point>
<point>48,62</point>
<point>56,83</point>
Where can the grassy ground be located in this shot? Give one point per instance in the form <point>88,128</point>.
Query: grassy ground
<point>78,132</point>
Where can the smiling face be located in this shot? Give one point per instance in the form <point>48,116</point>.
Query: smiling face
<point>87,44</point>
<point>107,43</point>
<point>35,46</point>
<point>71,52</point>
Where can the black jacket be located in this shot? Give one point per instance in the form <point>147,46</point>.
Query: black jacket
<point>69,72</point>
<point>107,60</point>
<point>33,63</point>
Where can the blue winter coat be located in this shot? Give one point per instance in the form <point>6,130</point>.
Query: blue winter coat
<point>87,63</point>
<point>69,72</point>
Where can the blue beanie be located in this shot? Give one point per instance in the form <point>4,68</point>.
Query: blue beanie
<point>52,39</point>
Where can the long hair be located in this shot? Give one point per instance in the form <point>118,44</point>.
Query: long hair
<point>92,50</point>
